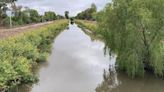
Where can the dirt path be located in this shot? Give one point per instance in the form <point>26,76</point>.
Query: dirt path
<point>4,33</point>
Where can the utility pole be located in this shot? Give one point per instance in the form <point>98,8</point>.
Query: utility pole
<point>10,9</point>
<point>10,19</point>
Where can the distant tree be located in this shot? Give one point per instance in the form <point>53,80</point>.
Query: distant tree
<point>93,8</point>
<point>34,15</point>
<point>94,11</point>
<point>88,14</point>
<point>60,17</point>
<point>67,14</point>
<point>49,16</point>
<point>26,16</point>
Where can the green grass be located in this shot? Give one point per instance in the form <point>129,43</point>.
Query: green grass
<point>92,26</point>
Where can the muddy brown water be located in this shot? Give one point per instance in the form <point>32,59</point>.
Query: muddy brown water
<point>77,64</point>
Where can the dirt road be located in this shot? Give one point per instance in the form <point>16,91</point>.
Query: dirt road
<point>4,33</point>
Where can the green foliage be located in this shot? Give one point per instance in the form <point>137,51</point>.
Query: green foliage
<point>88,14</point>
<point>34,15</point>
<point>6,21</point>
<point>19,53</point>
<point>43,57</point>
<point>27,16</point>
<point>60,17</point>
<point>133,29</point>
<point>49,16</point>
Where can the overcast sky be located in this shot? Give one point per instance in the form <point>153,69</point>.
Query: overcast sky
<point>59,6</point>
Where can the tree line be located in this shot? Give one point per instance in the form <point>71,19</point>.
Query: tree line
<point>23,15</point>
<point>88,14</point>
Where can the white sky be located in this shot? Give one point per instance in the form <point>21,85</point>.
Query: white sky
<point>59,6</point>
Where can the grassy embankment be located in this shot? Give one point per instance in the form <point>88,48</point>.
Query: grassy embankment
<point>90,28</point>
<point>19,54</point>
<point>87,25</point>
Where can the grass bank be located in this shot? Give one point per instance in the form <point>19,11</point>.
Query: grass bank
<point>84,24</point>
<point>90,28</point>
<point>19,53</point>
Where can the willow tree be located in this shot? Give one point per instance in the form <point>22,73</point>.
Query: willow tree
<point>134,30</point>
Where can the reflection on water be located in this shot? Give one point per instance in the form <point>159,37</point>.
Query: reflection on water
<point>78,64</point>
<point>119,82</point>
<point>75,65</point>
<point>110,80</point>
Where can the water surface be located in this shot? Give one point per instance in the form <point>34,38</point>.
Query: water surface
<point>77,64</point>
